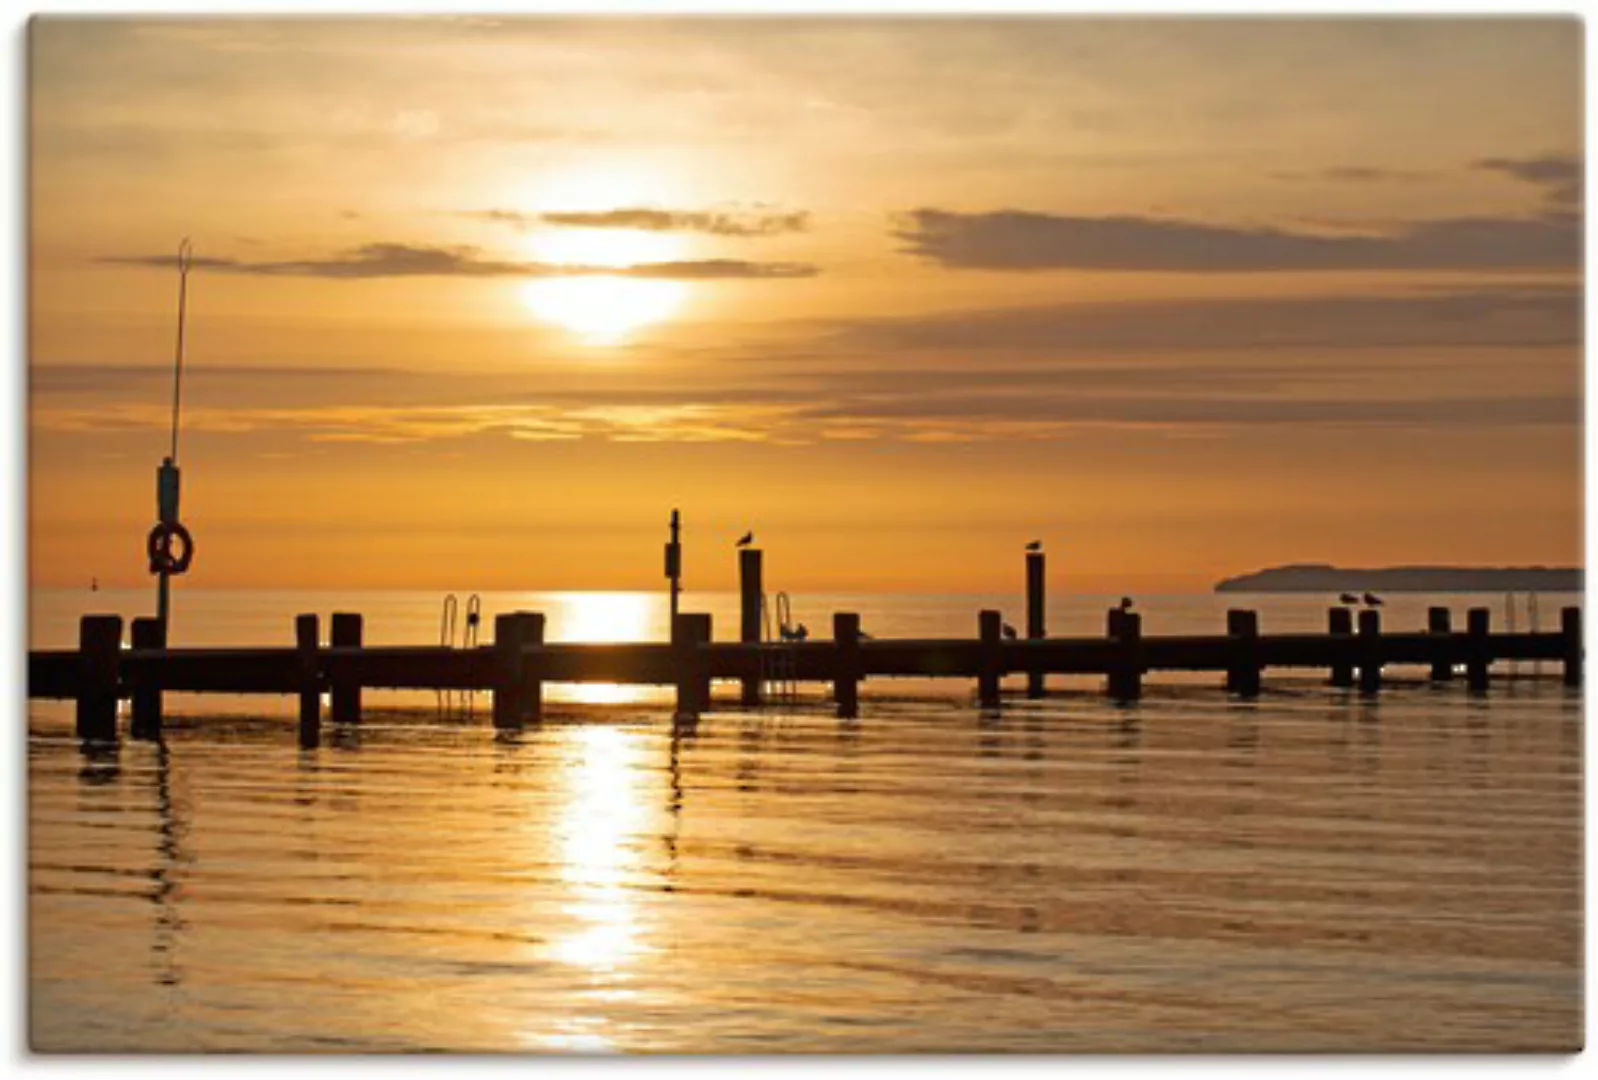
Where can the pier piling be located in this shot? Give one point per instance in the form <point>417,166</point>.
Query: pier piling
<point>1370,652</point>
<point>1243,674</point>
<point>690,631</point>
<point>1570,627</point>
<point>846,680</point>
<point>518,686</point>
<point>1125,681</point>
<point>1034,616</point>
<point>309,677</point>
<point>1479,649</point>
<point>751,594</point>
<point>347,633</point>
<point>990,666</point>
<point>1439,623</point>
<point>146,634</point>
<point>99,657</point>
<point>1340,626</point>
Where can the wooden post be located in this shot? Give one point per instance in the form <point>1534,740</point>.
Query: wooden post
<point>1439,622</point>
<point>846,679</point>
<point>1034,616</point>
<point>1477,624</point>
<point>1243,674</point>
<point>1370,652</point>
<point>305,645</point>
<point>99,657</point>
<point>1570,626</point>
<point>532,691</point>
<point>990,630</point>
<point>147,635</point>
<point>751,593</point>
<point>508,664</point>
<point>348,631</point>
<point>1340,626</point>
<point>1125,628</point>
<point>689,633</point>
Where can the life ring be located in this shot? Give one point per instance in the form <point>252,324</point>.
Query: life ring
<point>159,548</point>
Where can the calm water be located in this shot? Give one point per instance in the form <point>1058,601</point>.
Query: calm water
<point>1306,872</point>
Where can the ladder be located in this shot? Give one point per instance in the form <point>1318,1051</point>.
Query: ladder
<point>778,661</point>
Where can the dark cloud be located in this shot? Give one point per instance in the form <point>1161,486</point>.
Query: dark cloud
<point>1558,175</point>
<point>716,223</point>
<point>1024,240</point>
<point>386,260</point>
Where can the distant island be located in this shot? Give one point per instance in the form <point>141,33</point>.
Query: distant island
<point>1323,577</point>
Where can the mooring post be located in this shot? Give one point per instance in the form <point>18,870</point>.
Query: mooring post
<point>1439,623</point>
<point>1370,652</point>
<point>531,636</point>
<point>1479,646</point>
<point>509,662</point>
<point>348,630</point>
<point>1125,629</point>
<point>846,677</point>
<point>751,594</point>
<point>1243,673</point>
<point>1340,627</point>
<point>310,680</point>
<point>146,634</point>
<point>1570,626</point>
<point>99,657</point>
<point>990,631</point>
<point>1034,616</point>
<point>690,631</point>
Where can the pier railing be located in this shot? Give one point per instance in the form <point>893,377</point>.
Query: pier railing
<point>102,671</point>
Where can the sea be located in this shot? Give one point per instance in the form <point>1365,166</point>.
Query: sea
<point>1308,871</point>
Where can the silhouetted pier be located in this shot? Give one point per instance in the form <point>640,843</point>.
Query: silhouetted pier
<point>515,667</point>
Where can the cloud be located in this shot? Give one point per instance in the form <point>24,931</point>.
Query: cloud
<point>716,223</point>
<point>1358,174</point>
<point>390,260</point>
<point>1558,175</point>
<point>1025,240</point>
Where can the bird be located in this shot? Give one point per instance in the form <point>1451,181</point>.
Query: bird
<point>94,584</point>
<point>1036,545</point>
<point>1373,600</point>
<point>1348,598</point>
<point>1009,632</point>
<point>1126,603</point>
<point>801,632</point>
<point>746,539</point>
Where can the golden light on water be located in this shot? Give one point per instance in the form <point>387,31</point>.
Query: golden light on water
<point>605,616</point>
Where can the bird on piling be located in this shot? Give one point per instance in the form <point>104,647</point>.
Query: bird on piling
<point>1348,598</point>
<point>1126,603</point>
<point>1036,545</point>
<point>801,632</point>
<point>1372,600</point>
<point>1009,632</point>
<point>746,539</point>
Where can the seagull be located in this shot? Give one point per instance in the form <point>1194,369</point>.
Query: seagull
<point>1009,632</point>
<point>1126,603</point>
<point>747,539</point>
<point>1373,600</point>
<point>1036,545</point>
<point>801,632</point>
<point>1348,598</point>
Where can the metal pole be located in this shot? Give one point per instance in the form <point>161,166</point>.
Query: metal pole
<point>169,515</point>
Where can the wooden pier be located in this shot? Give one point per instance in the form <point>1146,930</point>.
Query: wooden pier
<point>102,671</point>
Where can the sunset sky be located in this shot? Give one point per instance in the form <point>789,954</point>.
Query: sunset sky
<point>477,302</point>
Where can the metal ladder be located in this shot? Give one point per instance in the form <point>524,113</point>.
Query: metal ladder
<point>448,620</point>
<point>779,666</point>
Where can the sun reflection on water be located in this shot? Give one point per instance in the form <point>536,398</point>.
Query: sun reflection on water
<point>599,617</point>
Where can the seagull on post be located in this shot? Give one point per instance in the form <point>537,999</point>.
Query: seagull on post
<point>1348,598</point>
<point>1036,545</point>
<point>746,539</point>
<point>1373,600</point>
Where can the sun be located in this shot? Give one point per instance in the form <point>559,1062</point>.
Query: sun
<point>603,309</point>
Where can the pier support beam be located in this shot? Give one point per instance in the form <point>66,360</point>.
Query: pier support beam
<point>1340,625</point>
<point>751,595</point>
<point>1439,623</point>
<point>347,633</point>
<point>1479,654</point>
<point>1034,616</point>
<point>1370,652</point>
<point>1570,627</point>
<point>1125,629</point>
<point>1243,673</point>
<point>99,657</point>
<point>147,634</point>
<point>846,679</point>
<point>688,633</point>
<point>990,630</point>
<point>310,679</point>
<point>518,688</point>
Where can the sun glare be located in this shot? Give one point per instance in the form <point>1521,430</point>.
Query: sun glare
<point>602,309</point>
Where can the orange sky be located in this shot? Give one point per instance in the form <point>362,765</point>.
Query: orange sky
<point>479,301</point>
